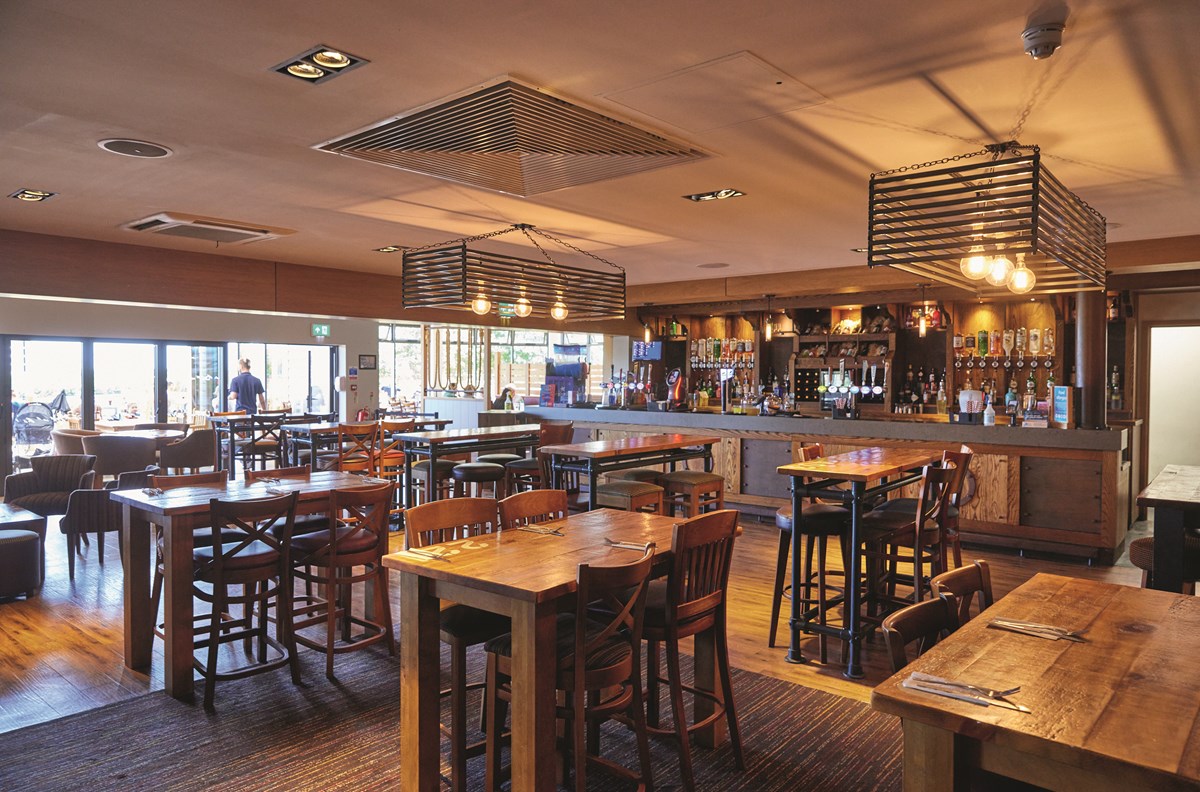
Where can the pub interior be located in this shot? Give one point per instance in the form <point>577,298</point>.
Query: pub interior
<point>789,396</point>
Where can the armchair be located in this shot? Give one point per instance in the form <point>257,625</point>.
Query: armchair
<point>46,488</point>
<point>197,450</point>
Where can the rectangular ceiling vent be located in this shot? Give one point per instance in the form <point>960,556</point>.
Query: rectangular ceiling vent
<point>209,229</point>
<point>512,138</point>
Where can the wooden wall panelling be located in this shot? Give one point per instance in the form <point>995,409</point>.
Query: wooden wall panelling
<point>990,503</point>
<point>727,462</point>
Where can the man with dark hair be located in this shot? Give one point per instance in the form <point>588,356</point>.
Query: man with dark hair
<point>245,387</point>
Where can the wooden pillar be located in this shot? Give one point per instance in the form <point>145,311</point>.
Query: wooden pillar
<point>1091,338</point>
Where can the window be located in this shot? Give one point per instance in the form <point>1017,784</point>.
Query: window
<point>519,358</point>
<point>297,377</point>
<point>400,358</point>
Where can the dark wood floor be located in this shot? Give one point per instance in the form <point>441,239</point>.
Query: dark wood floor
<point>61,652</point>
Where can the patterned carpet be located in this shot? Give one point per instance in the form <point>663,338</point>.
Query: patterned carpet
<point>269,735</point>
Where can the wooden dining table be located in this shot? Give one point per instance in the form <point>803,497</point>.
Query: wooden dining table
<point>602,456</point>
<point>161,437</point>
<point>315,436</point>
<point>1175,497</point>
<point>818,478</point>
<point>1120,711</point>
<point>180,512</point>
<point>525,576</point>
<point>450,442</point>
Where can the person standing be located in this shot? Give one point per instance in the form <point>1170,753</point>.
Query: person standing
<point>247,389</point>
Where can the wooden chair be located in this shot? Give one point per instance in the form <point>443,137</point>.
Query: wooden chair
<point>526,473</point>
<point>892,538</point>
<point>357,449</point>
<point>960,461</point>
<point>690,601</point>
<point>304,523</point>
<point>390,462</point>
<point>263,441</point>
<point>924,622</point>
<point>598,672</point>
<point>965,583</point>
<point>819,522</point>
<point>532,507</point>
<point>461,626</point>
<point>258,561</point>
<point>201,537</point>
<point>350,551</point>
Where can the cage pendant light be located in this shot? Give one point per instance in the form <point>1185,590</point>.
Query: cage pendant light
<point>964,223</point>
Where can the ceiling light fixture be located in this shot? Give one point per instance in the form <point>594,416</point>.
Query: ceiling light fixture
<point>923,320</point>
<point>768,330</point>
<point>32,196</point>
<point>481,305</point>
<point>715,195</point>
<point>389,249</point>
<point>962,223</point>
<point>447,274</point>
<point>1022,280</point>
<point>319,64</point>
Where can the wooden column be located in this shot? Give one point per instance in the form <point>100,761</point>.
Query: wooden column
<point>1091,337</point>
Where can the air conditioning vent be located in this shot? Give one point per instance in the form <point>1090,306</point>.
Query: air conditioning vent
<point>209,229</point>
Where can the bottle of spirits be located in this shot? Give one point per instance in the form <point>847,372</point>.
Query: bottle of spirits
<point>1030,401</point>
<point>942,407</point>
<point>1117,402</point>
<point>989,414</point>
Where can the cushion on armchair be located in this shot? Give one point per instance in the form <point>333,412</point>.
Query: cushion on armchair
<point>45,489</point>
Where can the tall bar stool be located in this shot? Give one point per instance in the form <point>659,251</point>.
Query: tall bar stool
<point>350,551</point>
<point>259,561</point>
<point>357,450</point>
<point>479,474</point>
<point>630,496</point>
<point>960,461</point>
<point>693,491</point>
<point>526,473</point>
<point>635,474</point>
<point>389,463</point>
<point>461,626</point>
<point>691,601</point>
<point>818,522</point>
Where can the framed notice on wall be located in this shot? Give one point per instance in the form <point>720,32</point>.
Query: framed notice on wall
<point>366,362</point>
<point>1062,407</point>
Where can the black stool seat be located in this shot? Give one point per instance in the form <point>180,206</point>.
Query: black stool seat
<point>499,459</point>
<point>816,518</point>
<point>444,466</point>
<point>478,471</point>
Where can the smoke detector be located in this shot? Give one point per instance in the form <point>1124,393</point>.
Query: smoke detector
<point>1041,41</point>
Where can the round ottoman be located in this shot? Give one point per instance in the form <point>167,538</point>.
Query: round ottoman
<point>20,563</point>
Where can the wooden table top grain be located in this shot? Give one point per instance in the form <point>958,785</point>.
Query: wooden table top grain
<point>534,567</point>
<point>601,449</point>
<point>184,500</point>
<point>863,464</point>
<point>1177,486</point>
<point>481,433</point>
<point>1125,704</point>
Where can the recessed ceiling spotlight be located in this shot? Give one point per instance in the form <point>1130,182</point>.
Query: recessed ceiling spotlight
<point>713,265</point>
<point>858,250</point>
<point>389,249</point>
<point>319,64</point>
<point>134,148</point>
<point>32,196</point>
<point>716,195</point>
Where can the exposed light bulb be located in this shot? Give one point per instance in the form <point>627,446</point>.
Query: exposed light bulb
<point>767,331</point>
<point>646,334</point>
<point>976,265</point>
<point>923,323</point>
<point>558,311</point>
<point>998,273</point>
<point>481,305</point>
<point>523,307</point>
<point>1022,280</point>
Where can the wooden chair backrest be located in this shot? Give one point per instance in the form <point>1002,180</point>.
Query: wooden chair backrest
<point>935,490</point>
<point>189,480</point>
<point>531,507</point>
<point>964,584</point>
<point>702,551</point>
<point>297,472</point>
<point>616,590</point>
<point>389,445</point>
<point>556,432</point>
<point>266,520</point>
<point>925,623</point>
<point>449,519</point>
<point>358,445</point>
<point>960,462</point>
<point>364,509</point>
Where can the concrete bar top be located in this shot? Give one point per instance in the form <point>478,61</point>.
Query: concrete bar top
<point>1113,439</point>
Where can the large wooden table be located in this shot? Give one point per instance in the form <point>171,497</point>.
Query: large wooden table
<point>180,512</point>
<point>601,456</point>
<point>324,434</point>
<point>1175,496</point>
<point>1120,712</point>
<point>524,576</point>
<point>817,477</point>
<point>447,442</point>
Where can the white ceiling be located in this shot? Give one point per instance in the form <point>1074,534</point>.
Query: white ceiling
<point>866,85</point>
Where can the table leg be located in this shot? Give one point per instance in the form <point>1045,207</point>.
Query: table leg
<point>593,481</point>
<point>794,622</point>
<point>534,661</point>
<point>139,621</point>
<point>177,608</point>
<point>853,583</point>
<point>929,764</point>
<point>420,681</point>
<point>708,458</point>
<point>231,456</point>
<point>1168,549</point>
<point>431,480</point>
<point>408,480</point>
<point>707,679</point>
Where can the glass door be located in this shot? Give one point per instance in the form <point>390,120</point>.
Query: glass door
<point>194,386</point>
<point>46,387</point>
<point>297,377</point>
<point>124,384</point>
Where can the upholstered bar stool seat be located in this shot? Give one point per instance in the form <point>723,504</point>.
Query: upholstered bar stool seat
<point>694,491</point>
<point>635,474</point>
<point>499,459</point>
<point>630,496</point>
<point>480,473</point>
<point>819,523</point>
<point>1141,555</point>
<point>20,563</point>
<point>444,474</point>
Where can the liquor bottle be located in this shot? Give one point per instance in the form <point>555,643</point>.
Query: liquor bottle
<point>1117,402</point>
<point>1050,387</point>
<point>941,397</point>
<point>989,413</point>
<point>1011,399</point>
<point>981,346</point>
<point>1031,391</point>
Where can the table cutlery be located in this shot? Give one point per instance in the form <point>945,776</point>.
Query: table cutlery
<point>542,531</point>
<point>1047,631</point>
<point>641,548</point>
<point>426,554</point>
<point>962,695</point>
<point>929,679</point>
<point>152,491</point>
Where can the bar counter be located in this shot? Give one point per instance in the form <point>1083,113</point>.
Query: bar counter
<point>1050,490</point>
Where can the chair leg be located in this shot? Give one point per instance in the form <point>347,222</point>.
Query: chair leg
<point>73,545</point>
<point>210,666</point>
<point>735,733</point>
<point>823,639</point>
<point>494,726</point>
<point>331,611</point>
<point>638,716</point>
<point>781,560</point>
<point>458,716</point>
<point>578,739</point>
<point>679,715</point>
<point>652,695</point>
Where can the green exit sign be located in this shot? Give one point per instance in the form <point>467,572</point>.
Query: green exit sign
<point>320,330</point>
